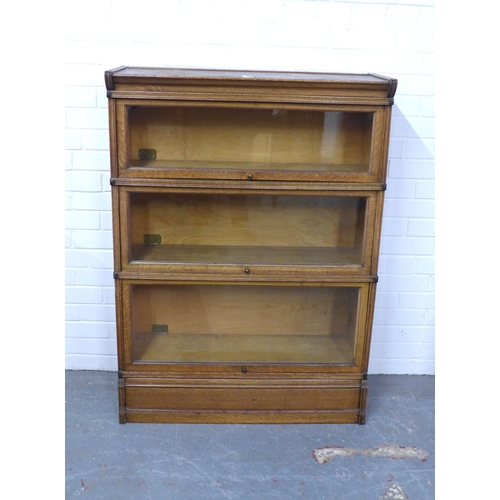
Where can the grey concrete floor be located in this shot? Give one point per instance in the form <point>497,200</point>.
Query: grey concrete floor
<point>107,460</point>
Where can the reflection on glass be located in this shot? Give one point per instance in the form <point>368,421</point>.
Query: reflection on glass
<point>244,138</point>
<point>247,229</point>
<point>244,323</point>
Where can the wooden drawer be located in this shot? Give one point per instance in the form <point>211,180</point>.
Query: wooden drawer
<point>246,403</point>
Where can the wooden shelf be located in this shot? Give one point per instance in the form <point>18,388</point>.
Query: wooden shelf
<point>213,254</point>
<point>248,166</point>
<point>255,348</point>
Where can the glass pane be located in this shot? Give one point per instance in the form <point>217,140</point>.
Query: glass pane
<point>244,138</point>
<point>246,229</point>
<point>244,323</point>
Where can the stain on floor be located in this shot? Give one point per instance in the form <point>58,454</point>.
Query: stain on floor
<point>393,492</point>
<point>395,451</point>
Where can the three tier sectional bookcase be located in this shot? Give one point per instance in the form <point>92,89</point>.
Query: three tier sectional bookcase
<point>247,209</point>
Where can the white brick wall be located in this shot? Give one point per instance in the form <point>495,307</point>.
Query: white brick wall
<point>393,37</point>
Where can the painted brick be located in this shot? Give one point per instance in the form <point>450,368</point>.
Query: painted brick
<point>96,139</point>
<point>421,85</point>
<point>382,262</point>
<point>102,97</point>
<point>416,301</point>
<point>81,52</point>
<point>76,258</point>
<point>373,1</point>
<point>91,201</point>
<point>362,38</point>
<point>400,189</point>
<point>427,19</point>
<point>217,32</point>
<point>84,295</point>
<point>95,259</point>
<point>401,17</point>
<point>423,334</point>
<point>67,201</point>
<point>68,160</point>
<point>84,75</point>
<point>334,13</point>
<point>100,30</point>
<point>384,333</point>
<point>394,245</point>
<point>81,97</point>
<point>415,40</point>
<point>405,106</point>
<point>419,148</point>
<point>82,220</point>
<point>83,181</point>
<point>368,16</point>
<point>70,277</point>
<point>423,3</point>
<point>75,344</point>
<point>87,118</point>
<point>88,8</point>
<point>402,283</point>
<point>94,277</point>
<point>398,317</point>
<point>421,227</point>
<point>387,350</point>
<point>92,239</point>
<point>108,296</point>
<point>103,312</point>
<point>396,148</point>
<point>386,300</point>
<point>400,265</point>
<point>429,351</point>
<point>425,265</point>
<point>401,367</point>
<point>428,107</point>
<point>106,220</point>
<point>100,346</point>
<point>87,362</point>
<point>397,334</point>
<point>432,283</point>
<point>394,227</point>
<point>72,312</point>
<point>194,10</point>
<point>300,12</point>
<point>255,11</point>
<point>73,139</point>
<point>413,127</point>
<point>430,318</point>
<point>411,169</point>
<point>295,35</point>
<point>396,207</point>
<point>428,67</point>
<point>161,8</point>
<point>86,329</point>
<point>100,259</point>
<point>397,63</point>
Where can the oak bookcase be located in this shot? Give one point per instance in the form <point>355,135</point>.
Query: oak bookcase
<point>247,209</point>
